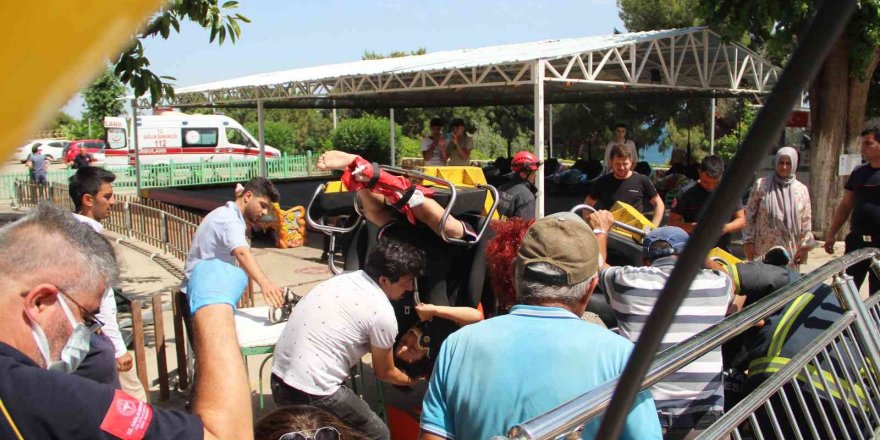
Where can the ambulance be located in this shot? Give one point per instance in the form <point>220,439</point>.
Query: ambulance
<point>181,138</point>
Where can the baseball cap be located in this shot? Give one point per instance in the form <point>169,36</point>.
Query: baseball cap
<point>561,240</point>
<point>675,236</point>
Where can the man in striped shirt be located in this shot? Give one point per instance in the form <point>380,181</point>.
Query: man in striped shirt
<point>692,398</point>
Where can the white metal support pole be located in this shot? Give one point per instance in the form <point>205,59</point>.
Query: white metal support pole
<point>261,121</point>
<point>538,78</point>
<point>134,144</point>
<point>550,128</point>
<point>335,118</point>
<point>712,127</point>
<point>393,147</point>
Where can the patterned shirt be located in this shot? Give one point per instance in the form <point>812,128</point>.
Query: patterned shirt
<point>632,292</point>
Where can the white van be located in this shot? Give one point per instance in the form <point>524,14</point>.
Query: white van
<point>181,138</point>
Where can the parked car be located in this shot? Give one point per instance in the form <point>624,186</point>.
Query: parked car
<point>94,146</point>
<point>52,148</point>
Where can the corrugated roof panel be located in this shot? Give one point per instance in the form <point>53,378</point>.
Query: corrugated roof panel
<point>461,58</point>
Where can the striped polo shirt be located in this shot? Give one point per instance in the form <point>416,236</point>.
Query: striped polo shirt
<point>632,292</point>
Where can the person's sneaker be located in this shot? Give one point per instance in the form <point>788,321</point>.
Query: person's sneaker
<point>777,256</point>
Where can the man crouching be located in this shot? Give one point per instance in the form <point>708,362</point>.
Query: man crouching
<point>338,322</point>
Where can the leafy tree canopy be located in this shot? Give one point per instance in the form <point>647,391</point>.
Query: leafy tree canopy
<point>133,67</point>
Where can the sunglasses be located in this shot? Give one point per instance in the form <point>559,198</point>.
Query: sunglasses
<point>325,433</point>
<point>89,319</point>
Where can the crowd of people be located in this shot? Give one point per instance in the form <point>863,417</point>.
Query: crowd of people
<point>64,373</point>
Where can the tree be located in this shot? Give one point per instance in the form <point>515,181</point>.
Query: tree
<point>838,95</point>
<point>370,55</point>
<point>276,134</point>
<point>645,15</point>
<point>132,66</point>
<point>102,98</point>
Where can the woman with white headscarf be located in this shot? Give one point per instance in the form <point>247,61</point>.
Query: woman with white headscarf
<point>778,212</point>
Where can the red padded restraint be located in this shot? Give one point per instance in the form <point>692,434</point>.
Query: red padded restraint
<point>362,174</point>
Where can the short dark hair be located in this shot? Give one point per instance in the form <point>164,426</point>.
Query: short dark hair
<point>874,131</point>
<point>297,418</point>
<point>618,150</point>
<point>713,166</point>
<point>262,187</point>
<point>393,259</point>
<point>643,168</point>
<point>457,122</point>
<point>87,180</point>
<point>436,122</point>
<point>620,125</point>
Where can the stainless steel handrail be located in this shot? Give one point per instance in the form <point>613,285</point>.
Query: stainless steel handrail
<point>582,409</point>
<point>453,195</point>
<point>757,397</point>
<point>327,229</point>
<point>621,225</point>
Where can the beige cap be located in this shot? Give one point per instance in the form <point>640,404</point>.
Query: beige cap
<point>564,241</point>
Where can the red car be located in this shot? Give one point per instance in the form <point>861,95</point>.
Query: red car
<point>94,146</point>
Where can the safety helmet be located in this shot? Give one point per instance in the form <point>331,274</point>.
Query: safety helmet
<point>524,161</point>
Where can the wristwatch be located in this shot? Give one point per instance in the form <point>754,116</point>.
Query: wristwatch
<point>598,231</point>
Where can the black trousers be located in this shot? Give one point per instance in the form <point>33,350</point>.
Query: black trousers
<point>858,271</point>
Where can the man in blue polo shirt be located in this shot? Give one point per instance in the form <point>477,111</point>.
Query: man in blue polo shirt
<point>492,375</point>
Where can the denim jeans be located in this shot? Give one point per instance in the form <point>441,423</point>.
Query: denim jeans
<point>344,404</point>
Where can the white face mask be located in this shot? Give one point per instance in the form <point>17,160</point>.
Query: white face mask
<point>74,350</point>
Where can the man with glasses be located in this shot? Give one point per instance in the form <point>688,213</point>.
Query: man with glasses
<point>543,353</point>
<point>47,314</point>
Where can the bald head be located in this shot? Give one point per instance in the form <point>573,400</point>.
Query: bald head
<point>50,246</point>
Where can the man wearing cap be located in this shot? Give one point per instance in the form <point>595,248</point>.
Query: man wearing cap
<point>692,398</point>
<point>492,375</point>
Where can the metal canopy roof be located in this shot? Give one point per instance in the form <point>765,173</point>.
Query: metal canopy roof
<point>693,62</point>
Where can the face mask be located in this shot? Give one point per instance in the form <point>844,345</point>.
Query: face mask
<point>74,351</point>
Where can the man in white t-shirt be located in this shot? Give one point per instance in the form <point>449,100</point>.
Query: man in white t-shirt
<point>337,323</point>
<point>620,138</point>
<point>434,146</point>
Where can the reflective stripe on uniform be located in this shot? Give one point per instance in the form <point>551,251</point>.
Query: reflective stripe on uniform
<point>780,335</point>
<point>9,419</point>
<point>770,365</point>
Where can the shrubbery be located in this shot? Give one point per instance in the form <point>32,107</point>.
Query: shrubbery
<point>277,134</point>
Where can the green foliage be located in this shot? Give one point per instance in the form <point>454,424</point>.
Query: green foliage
<point>652,15</point>
<point>407,147</point>
<point>132,66</point>
<point>679,137</point>
<point>367,136</point>
<point>308,128</point>
<point>775,26</point>
<point>727,146</point>
<point>370,55</point>
<point>276,134</point>
<point>102,98</point>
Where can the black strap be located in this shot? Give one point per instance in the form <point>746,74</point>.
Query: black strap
<point>405,198</point>
<point>375,177</point>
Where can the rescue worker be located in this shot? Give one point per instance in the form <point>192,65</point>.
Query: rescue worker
<point>517,197</point>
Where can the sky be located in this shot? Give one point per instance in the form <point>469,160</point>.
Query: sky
<point>286,35</point>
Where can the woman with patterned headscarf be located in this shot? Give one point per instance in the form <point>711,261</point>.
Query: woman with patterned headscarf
<point>778,212</point>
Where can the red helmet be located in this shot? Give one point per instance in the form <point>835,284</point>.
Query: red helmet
<point>524,161</point>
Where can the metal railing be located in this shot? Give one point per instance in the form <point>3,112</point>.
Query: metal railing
<point>183,174</point>
<point>158,224</point>
<point>853,338</point>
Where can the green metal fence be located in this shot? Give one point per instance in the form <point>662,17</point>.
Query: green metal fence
<point>184,174</point>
